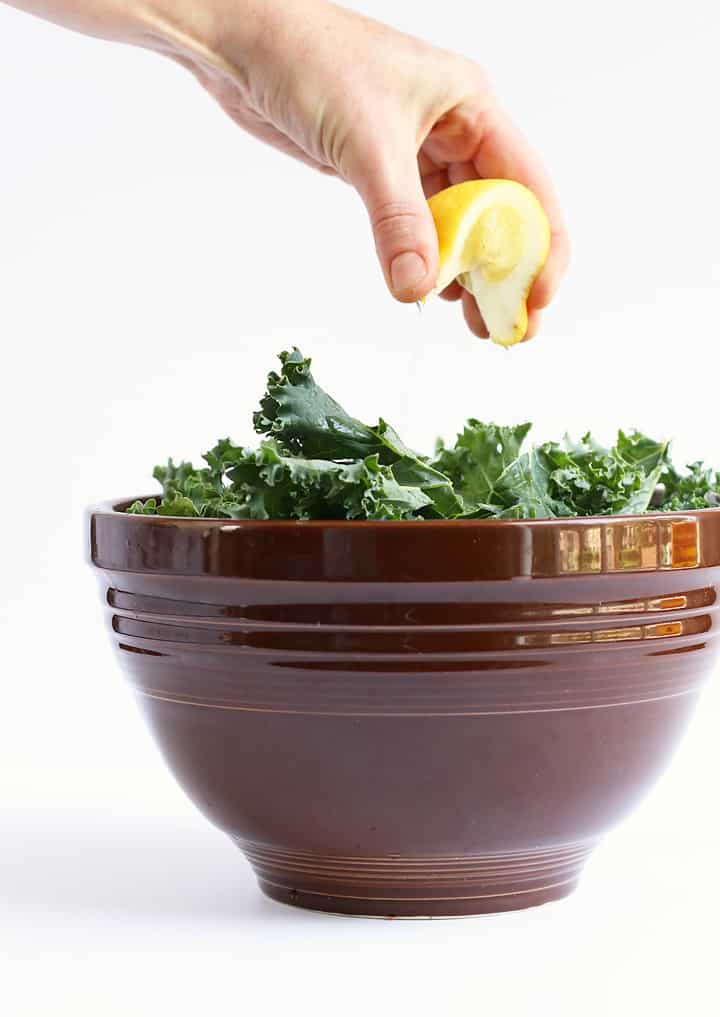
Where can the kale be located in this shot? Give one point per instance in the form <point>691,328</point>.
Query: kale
<point>316,461</point>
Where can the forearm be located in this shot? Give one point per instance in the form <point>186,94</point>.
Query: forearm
<point>121,20</point>
<point>172,26</point>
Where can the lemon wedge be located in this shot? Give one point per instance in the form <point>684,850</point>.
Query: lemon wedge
<point>494,238</point>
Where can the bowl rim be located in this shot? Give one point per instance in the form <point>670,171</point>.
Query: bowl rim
<point>116,506</point>
<point>396,551</point>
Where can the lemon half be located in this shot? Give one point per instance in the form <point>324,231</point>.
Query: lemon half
<point>494,238</point>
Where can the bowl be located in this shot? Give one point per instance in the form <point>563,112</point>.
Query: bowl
<point>413,718</point>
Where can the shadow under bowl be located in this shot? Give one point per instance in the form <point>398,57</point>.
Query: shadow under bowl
<point>404,719</point>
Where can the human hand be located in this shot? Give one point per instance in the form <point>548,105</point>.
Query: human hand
<point>395,117</point>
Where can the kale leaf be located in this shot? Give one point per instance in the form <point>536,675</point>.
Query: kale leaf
<point>698,488</point>
<point>264,484</point>
<point>304,420</point>
<point>478,459</point>
<point>316,461</point>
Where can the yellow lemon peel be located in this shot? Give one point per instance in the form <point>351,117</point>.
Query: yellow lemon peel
<point>494,238</point>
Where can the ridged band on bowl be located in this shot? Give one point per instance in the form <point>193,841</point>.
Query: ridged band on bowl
<point>419,656</point>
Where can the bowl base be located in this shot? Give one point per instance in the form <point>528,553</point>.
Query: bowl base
<point>393,886</point>
<point>427,908</point>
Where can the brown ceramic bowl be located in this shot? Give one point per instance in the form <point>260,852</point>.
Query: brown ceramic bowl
<point>414,718</point>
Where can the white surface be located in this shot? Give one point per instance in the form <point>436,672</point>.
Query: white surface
<point>141,308</point>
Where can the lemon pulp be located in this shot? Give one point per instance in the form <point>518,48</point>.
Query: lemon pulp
<point>494,238</point>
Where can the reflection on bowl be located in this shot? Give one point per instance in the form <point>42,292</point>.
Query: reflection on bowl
<point>414,718</point>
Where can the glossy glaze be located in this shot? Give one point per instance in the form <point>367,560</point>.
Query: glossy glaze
<point>414,718</point>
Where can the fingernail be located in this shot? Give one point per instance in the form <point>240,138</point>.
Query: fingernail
<point>407,271</point>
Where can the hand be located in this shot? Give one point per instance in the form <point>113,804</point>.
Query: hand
<point>395,117</point>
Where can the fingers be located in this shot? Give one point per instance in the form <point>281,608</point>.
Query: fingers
<point>403,228</point>
<point>555,267</point>
<point>476,324</point>
<point>534,317</point>
<point>472,316</point>
<point>452,292</point>
<point>503,152</point>
<point>434,182</point>
<point>475,139</point>
<point>459,172</point>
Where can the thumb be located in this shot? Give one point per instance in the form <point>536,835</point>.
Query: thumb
<point>404,231</point>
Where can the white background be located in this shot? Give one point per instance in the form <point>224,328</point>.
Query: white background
<point>153,259</point>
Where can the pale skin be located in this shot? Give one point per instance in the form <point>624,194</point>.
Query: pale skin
<point>396,118</point>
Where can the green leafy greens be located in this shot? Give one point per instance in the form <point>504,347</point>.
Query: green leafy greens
<point>315,461</point>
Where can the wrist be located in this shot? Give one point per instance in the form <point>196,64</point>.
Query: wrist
<point>224,35</point>
<point>181,29</point>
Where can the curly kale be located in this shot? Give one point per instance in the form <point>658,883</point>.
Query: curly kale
<point>316,461</point>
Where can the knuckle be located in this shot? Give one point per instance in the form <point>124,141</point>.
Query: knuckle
<point>481,80</point>
<point>473,82</point>
<point>395,221</point>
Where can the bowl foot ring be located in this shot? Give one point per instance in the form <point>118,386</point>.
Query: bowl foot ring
<point>420,907</point>
<point>410,887</point>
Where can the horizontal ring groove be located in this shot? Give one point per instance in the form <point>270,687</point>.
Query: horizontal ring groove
<point>475,896</point>
<point>389,712</point>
